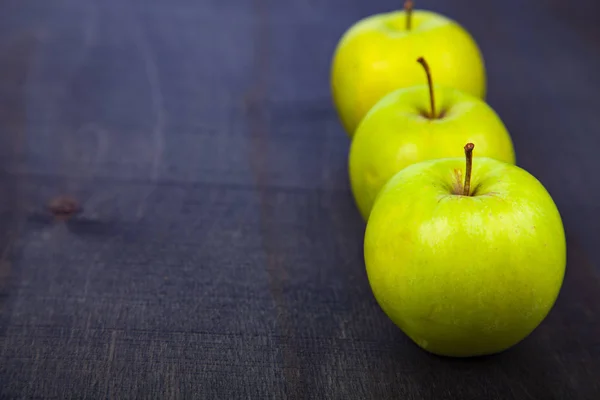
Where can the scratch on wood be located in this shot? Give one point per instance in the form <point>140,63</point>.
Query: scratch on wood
<point>109,360</point>
<point>255,102</point>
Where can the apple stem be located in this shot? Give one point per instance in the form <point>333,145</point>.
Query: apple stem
<point>469,155</point>
<point>408,7</point>
<point>422,61</point>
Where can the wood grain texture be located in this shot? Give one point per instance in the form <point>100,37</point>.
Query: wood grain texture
<point>217,251</point>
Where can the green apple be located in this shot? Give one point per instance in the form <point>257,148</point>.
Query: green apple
<point>465,268</point>
<point>376,55</point>
<point>419,123</point>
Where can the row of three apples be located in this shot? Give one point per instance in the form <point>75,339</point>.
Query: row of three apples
<point>466,256</point>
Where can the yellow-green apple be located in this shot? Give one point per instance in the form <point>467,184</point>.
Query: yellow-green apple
<point>376,55</point>
<point>419,123</point>
<point>465,267</point>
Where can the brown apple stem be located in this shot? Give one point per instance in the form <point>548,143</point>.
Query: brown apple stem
<point>408,7</point>
<point>422,61</point>
<point>469,155</point>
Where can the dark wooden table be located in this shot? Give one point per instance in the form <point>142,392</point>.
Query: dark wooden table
<point>216,251</point>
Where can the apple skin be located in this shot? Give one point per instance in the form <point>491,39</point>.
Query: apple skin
<point>465,275</point>
<point>377,55</point>
<point>395,134</point>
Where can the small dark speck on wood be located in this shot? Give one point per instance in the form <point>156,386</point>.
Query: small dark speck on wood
<point>64,207</point>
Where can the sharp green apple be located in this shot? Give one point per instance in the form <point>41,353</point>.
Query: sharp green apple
<point>376,55</point>
<point>466,258</point>
<point>419,123</point>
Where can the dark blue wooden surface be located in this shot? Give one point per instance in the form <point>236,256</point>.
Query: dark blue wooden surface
<point>218,254</point>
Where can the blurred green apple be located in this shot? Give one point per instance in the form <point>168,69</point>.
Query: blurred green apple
<point>376,55</point>
<point>465,272</point>
<point>419,123</point>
